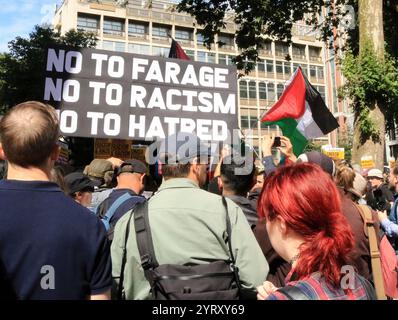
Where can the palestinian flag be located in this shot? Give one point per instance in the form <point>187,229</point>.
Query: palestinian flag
<point>176,51</point>
<point>301,113</point>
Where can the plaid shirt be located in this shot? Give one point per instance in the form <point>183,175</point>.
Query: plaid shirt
<point>316,287</point>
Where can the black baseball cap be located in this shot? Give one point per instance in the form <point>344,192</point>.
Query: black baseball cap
<point>132,166</point>
<point>77,181</point>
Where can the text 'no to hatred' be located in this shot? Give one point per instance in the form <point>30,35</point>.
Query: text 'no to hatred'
<point>117,95</point>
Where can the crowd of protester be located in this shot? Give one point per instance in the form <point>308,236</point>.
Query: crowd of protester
<point>293,223</point>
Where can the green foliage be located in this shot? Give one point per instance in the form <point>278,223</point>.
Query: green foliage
<point>21,74</point>
<point>257,18</point>
<point>370,80</point>
<point>311,146</point>
<point>347,149</point>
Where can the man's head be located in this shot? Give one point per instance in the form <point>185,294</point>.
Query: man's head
<point>237,176</point>
<point>100,171</point>
<point>259,180</point>
<point>28,135</point>
<point>131,175</point>
<point>183,155</point>
<point>393,178</point>
<point>79,187</point>
<point>375,176</point>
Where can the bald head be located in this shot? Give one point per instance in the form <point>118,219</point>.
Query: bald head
<point>29,133</point>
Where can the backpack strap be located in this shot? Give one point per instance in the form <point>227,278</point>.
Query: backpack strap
<point>369,226</point>
<point>111,211</point>
<point>235,269</point>
<point>144,241</point>
<point>229,230</point>
<point>120,295</point>
<point>293,293</point>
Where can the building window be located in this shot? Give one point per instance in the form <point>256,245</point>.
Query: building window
<point>270,66</point>
<point>261,66</point>
<point>252,90</point>
<point>262,90</point>
<point>298,51</point>
<point>114,46</point>
<point>136,29</point>
<point>393,134</point>
<point>108,45</point>
<point>321,90</point>
<point>113,27</point>
<point>313,71</point>
<point>279,90</point>
<point>190,54</point>
<point>320,73</point>
<point>315,54</point>
<point>295,66</point>
<point>158,5</point>
<point>305,69</point>
<point>87,23</point>
<point>120,46</point>
<point>160,51</point>
<point>160,32</point>
<point>279,67</point>
<point>200,39</point>
<point>223,59</point>
<point>268,46</point>
<point>281,49</point>
<point>138,48</point>
<point>183,35</point>
<point>271,127</point>
<point>243,89</point>
<point>271,91</point>
<point>227,41</point>
<point>211,57</point>
<point>248,119</point>
<point>201,56</point>
<point>245,122</point>
<point>286,68</point>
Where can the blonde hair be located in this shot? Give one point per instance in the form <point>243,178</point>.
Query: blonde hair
<point>345,177</point>
<point>28,133</point>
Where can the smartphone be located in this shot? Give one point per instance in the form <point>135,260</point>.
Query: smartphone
<point>277,142</point>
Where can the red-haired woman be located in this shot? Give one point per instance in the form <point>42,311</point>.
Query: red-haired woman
<point>306,228</point>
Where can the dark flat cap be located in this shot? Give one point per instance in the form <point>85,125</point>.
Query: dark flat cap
<point>132,166</point>
<point>77,181</point>
<point>326,163</point>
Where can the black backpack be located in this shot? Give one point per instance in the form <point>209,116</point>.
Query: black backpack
<point>218,280</point>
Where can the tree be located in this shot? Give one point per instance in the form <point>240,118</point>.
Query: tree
<point>257,18</point>
<point>21,70</point>
<point>21,75</point>
<point>275,18</point>
<point>372,82</point>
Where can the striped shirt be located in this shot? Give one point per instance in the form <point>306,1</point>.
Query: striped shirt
<point>316,287</point>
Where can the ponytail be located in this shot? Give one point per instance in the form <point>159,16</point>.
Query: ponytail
<point>327,250</point>
<point>345,177</point>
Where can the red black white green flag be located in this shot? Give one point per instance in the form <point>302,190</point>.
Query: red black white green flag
<point>301,113</point>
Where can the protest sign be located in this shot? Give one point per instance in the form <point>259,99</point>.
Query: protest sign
<point>106,94</point>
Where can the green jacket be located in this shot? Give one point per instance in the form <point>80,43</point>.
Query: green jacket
<point>187,226</point>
